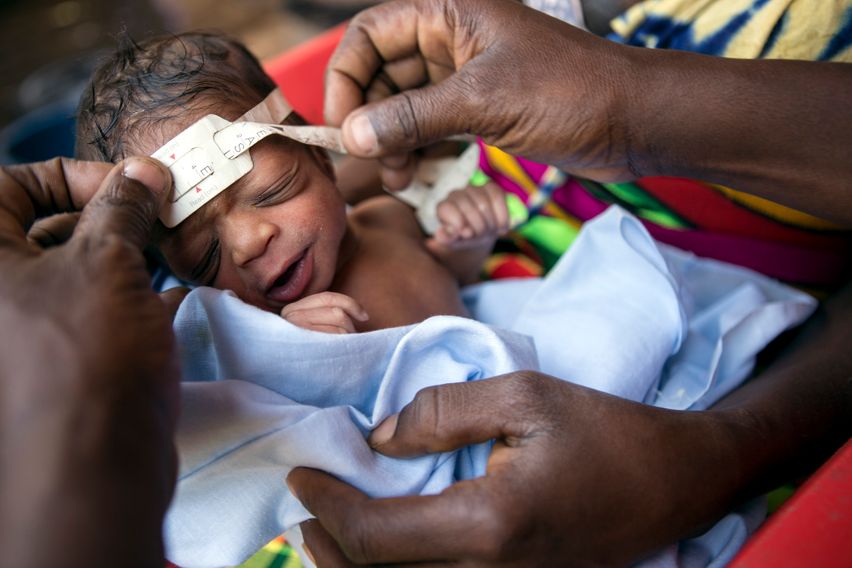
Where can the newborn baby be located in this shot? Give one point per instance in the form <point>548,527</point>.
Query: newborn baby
<point>280,236</point>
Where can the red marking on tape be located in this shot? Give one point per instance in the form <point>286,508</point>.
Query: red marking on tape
<point>172,156</point>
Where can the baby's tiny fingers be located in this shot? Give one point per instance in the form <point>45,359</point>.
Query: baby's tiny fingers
<point>324,300</point>
<point>445,236</point>
<point>451,218</point>
<point>499,207</point>
<point>328,320</point>
<point>474,216</point>
<point>484,199</point>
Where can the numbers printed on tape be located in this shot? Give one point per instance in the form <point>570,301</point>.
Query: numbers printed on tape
<point>197,164</point>
<point>189,171</point>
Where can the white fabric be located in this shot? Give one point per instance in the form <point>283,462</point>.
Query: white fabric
<point>617,313</point>
<point>570,11</point>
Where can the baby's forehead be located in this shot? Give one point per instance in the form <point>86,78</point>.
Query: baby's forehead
<point>273,159</point>
<point>150,135</point>
<point>208,153</point>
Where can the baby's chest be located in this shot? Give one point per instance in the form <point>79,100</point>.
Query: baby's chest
<point>398,282</point>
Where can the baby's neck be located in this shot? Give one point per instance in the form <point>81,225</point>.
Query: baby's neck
<point>348,247</point>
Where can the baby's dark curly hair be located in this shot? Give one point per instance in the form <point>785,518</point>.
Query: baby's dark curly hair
<point>144,85</point>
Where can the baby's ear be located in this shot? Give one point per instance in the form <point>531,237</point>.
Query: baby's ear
<point>324,160</point>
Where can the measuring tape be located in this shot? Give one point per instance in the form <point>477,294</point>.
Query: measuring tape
<point>209,156</point>
<point>213,153</point>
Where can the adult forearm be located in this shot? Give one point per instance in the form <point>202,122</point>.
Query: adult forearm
<point>778,129</point>
<point>794,414</point>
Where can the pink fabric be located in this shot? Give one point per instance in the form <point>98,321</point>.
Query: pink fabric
<point>785,261</point>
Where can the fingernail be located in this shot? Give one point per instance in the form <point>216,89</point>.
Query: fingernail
<point>363,134</point>
<point>363,316</point>
<point>146,172</point>
<point>309,554</point>
<point>385,431</point>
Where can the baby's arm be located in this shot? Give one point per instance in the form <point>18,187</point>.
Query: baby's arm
<point>471,220</point>
<point>328,312</point>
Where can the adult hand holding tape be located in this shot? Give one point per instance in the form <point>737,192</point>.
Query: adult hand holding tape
<point>410,73</point>
<point>86,365</point>
<point>423,72</point>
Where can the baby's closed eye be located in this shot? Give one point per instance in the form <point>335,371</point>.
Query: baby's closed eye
<point>205,271</point>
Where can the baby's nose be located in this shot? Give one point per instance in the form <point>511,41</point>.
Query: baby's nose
<point>249,238</point>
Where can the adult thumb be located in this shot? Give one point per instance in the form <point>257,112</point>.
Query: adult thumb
<point>408,120</point>
<point>128,202</point>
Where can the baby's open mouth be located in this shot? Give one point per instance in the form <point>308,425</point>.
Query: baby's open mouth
<point>292,282</point>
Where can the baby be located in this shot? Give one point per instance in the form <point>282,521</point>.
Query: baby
<point>280,237</point>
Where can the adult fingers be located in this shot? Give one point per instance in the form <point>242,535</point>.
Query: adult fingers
<point>374,42</point>
<point>448,417</point>
<point>398,170</point>
<point>172,298</point>
<point>321,547</point>
<point>410,120</point>
<point>31,191</point>
<point>54,230</point>
<point>460,522</point>
<point>396,76</point>
<point>128,202</point>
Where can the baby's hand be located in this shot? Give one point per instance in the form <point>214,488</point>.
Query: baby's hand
<point>328,312</point>
<point>472,216</point>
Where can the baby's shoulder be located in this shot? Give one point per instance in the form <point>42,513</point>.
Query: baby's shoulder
<point>385,212</point>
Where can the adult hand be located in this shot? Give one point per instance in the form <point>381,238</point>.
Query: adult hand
<point>88,396</point>
<point>576,477</point>
<point>542,89</point>
<point>522,80</point>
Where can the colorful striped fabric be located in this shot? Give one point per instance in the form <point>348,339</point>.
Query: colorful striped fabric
<point>812,30</point>
<point>684,213</point>
<point>276,554</point>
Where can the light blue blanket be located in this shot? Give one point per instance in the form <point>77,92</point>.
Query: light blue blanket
<point>618,313</point>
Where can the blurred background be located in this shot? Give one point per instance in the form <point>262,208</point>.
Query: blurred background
<point>50,47</point>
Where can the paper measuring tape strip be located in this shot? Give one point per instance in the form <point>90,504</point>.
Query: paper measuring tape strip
<point>210,155</point>
<point>213,153</point>
<point>200,171</point>
<point>434,180</point>
<point>240,136</point>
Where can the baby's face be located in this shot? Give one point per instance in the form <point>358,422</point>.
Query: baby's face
<point>273,237</point>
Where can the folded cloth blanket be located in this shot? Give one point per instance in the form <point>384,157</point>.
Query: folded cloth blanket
<point>262,396</point>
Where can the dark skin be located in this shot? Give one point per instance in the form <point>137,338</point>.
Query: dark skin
<point>88,396</point>
<point>442,56</point>
<point>578,476</point>
<point>68,419</point>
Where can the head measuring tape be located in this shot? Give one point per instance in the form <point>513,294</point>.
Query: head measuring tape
<point>209,156</point>
<point>213,153</point>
